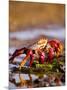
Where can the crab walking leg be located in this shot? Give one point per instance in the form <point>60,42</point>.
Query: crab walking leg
<point>17,53</point>
<point>24,60</point>
<point>42,57</point>
<point>31,61</point>
<point>31,58</point>
<point>51,54</point>
<point>29,55</point>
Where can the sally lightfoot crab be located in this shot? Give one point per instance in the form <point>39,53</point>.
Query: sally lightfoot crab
<point>43,51</point>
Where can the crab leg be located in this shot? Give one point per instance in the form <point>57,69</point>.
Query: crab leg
<point>51,55</point>
<point>42,57</point>
<point>31,58</point>
<point>25,59</point>
<point>29,55</point>
<point>17,53</point>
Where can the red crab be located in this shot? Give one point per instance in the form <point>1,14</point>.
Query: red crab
<point>39,50</point>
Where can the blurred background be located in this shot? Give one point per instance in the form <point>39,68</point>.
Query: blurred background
<point>27,14</point>
<point>29,21</point>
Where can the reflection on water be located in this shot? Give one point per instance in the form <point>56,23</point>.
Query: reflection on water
<point>23,80</point>
<point>32,81</point>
